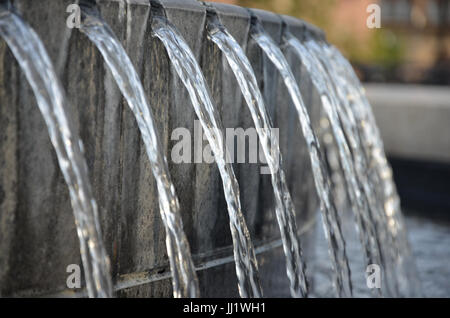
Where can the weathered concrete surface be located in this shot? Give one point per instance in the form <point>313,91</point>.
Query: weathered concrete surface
<point>414,120</point>
<point>37,231</point>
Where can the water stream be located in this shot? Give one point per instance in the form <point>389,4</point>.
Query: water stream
<point>360,204</point>
<point>190,73</point>
<point>356,145</point>
<point>39,71</point>
<point>184,278</point>
<point>378,170</point>
<point>331,218</point>
<point>284,209</point>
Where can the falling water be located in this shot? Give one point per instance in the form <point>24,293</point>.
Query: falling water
<point>184,278</point>
<point>331,219</point>
<point>380,173</point>
<point>359,201</point>
<point>192,77</point>
<point>284,207</point>
<point>35,63</point>
<point>368,176</point>
<point>356,142</point>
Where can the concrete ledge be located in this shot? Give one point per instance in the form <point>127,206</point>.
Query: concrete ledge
<point>414,120</point>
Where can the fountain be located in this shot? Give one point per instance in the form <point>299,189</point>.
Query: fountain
<point>39,72</point>
<point>220,229</point>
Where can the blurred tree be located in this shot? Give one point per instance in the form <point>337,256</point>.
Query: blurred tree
<point>317,12</point>
<point>344,22</point>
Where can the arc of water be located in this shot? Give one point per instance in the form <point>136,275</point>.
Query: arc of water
<point>379,172</point>
<point>35,63</point>
<point>284,207</point>
<point>356,192</point>
<point>370,182</point>
<point>373,143</point>
<point>189,72</point>
<point>184,278</point>
<point>330,216</point>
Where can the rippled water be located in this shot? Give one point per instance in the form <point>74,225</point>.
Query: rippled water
<point>184,277</point>
<point>190,73</point>
<point>38,69</point>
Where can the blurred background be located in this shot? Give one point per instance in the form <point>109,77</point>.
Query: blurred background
<point>412,45</point>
